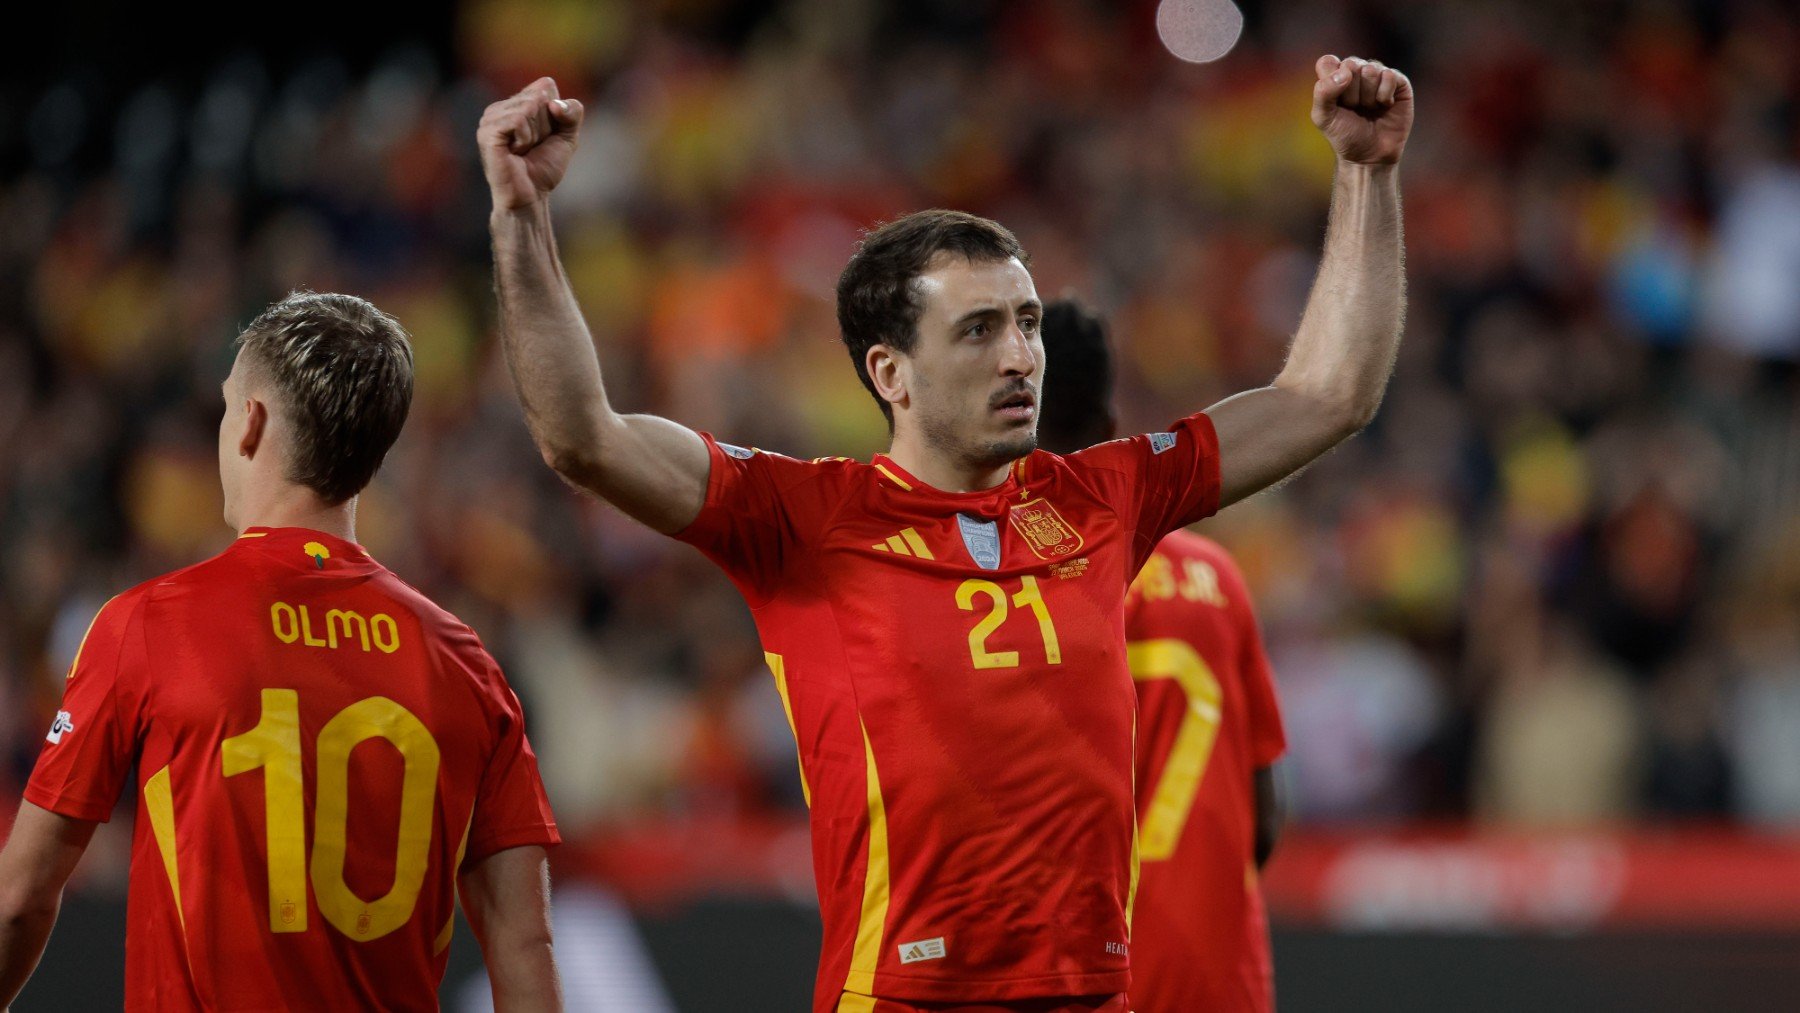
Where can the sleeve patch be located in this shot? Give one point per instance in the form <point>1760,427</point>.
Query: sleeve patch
<point>740,453</point>
<point>63,725</point>
<point>1160,442</point>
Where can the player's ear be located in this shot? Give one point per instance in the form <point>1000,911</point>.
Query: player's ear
<point>256,424</point>
<point>888,372</point>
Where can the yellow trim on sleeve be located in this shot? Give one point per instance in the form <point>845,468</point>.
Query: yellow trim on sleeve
<point>159,804</point>
<point>778,667</point>
<point>850,1002</point>
<point>867,951</point>
<point>896,479</point>
<point>73,665</point>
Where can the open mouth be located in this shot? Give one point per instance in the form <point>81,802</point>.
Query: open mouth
<point>1017,406</point>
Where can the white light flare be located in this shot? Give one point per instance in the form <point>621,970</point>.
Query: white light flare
<point>1199,31</point>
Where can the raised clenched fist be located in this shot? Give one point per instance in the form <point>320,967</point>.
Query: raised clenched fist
<point>526,142</point>
<point>1363,108</point>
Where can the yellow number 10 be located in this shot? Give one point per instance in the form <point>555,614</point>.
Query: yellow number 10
<point>274,747</point>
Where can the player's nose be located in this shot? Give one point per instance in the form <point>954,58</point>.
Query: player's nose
<point>1016,357</point>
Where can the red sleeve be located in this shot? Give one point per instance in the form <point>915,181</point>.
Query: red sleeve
<point>511,808</point>
<point>1267,738</point>
<point>755,512</point>
<point>94,740</point>
<point>1163,481</point>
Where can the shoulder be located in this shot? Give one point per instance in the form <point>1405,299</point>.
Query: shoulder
<point>442,625</point>
<point>206,575</point>
<point>1188,547</point>
<point>1187,544</point>
<point>781,473</point>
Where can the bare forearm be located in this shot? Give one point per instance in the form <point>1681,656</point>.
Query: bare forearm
<point>651,468</point>
<point>24,930</point>
<point>523,976</point>
<point>1343,352</point>
<point>548,347</point>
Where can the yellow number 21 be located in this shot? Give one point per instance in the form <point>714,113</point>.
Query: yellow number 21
<point>273,746</point>
<point>1029,596</point>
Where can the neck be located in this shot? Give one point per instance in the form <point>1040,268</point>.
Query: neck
<point>941,470</point>
<point>295,507</point>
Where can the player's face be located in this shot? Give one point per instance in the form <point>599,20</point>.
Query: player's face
<point>975,371</point>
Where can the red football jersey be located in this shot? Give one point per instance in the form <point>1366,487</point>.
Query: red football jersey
<point>953,666</point>
<point>318,749</point>
<point>1207,719</point>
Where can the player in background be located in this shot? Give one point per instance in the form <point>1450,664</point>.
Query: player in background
<point>323,756</point>
<point>1208,730</point>
<point>946,623</point>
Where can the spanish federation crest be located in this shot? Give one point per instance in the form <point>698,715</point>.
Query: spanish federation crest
<point>1044,529</point>
<point>982,539</point>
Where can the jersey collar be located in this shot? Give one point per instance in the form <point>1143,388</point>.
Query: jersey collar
<point>898,477</point>
<point>306,548</point>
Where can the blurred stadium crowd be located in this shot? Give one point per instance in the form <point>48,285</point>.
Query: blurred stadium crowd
<point>1557,582</point>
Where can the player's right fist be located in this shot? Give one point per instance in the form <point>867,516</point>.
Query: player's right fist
<point>526,142</point>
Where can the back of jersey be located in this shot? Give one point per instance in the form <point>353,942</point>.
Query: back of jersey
<point>319,750</point>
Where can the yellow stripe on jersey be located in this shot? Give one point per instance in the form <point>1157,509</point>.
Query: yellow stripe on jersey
<point>1136,866</point>
<point>896,479</point>
<point>159,803</point>
<point>867,951</point>
<point>76,664</point>
<point>916,543</point>
<point>444,934</point>
<point>850,1002</point>
<point>778,667</point>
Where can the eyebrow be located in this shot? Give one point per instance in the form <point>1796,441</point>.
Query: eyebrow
<point>1028,306</point>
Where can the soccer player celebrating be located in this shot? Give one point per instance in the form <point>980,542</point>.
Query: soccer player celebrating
<point>261,691</point>
<point>1208,730</point>
<point>946,623</point>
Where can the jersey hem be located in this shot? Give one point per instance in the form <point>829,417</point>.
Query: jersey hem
<point>63,806</point>
<point>544,835</point>
<point>912,989</point>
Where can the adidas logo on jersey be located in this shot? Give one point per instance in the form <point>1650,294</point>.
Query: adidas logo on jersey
<point>924,949</point>
<point>906,543</point>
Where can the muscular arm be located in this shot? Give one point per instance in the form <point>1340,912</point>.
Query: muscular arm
<point>507,899</point>
<point>39,857</point>
<point>651,468</point>
<point>1338,365</point>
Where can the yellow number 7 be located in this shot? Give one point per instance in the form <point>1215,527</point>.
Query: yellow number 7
<point>1174,795</point>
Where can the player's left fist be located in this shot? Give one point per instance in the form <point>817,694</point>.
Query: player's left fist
<point>1363,108</point>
